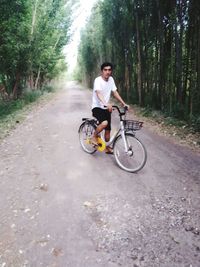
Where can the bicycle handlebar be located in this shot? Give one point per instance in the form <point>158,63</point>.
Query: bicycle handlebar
<point>121,113</point>
<point>125,109</point>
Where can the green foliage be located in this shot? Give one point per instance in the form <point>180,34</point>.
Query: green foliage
<point>91,51</point>
<point>31,96</point>
<point>153,45</point>
<point>13,40</point>
<point>48,88</point>
<point>174,121</point>
<point>147,112</point>
<point>7,108</point>
<point>196,123</point>
<point>11,106</point>
<point>33,33</point>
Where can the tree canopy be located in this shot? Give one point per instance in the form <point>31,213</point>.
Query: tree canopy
<point>33,33</point>
<point>155,48</point>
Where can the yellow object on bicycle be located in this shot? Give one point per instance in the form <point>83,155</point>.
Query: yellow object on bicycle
<point>88,141</point>
<point>101,145</point>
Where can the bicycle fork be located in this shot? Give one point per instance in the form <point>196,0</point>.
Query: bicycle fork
<point>124,137</point>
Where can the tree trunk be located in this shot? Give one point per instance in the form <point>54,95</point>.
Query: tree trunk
<point>15,88</point>
<point>198,64</point>
<point>37,79</point>
<point>178,45</point>
<point>139,67</point>
<point>161,58</point>
<point>34,17</point>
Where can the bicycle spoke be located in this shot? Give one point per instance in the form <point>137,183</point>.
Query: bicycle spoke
<point>132,160</point>
<point>85,134</point>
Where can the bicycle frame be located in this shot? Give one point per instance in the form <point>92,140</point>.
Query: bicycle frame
<point>114,136</point>
<point>129,152</point>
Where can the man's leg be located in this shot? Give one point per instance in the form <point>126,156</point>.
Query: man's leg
<point>108,149</point>
<point>99,129</point>
<point>107,135</point>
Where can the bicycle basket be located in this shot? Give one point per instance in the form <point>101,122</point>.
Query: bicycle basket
<point>131,125</point>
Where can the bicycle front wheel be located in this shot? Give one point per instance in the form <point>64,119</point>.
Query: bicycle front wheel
<point>135,158</point>
<point>86,131</point>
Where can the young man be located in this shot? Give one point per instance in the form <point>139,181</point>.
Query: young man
<point>101,108</point>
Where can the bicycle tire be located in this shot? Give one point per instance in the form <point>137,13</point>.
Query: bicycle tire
<point>135,159</point>
<point>86,131</point>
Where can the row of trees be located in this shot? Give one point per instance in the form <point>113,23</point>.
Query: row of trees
<point>155,47</point>
<point>32,35</point>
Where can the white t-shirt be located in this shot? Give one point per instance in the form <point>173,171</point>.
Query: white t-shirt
<point>106,87</point>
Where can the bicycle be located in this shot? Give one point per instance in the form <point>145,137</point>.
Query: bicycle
<point>129,152</point>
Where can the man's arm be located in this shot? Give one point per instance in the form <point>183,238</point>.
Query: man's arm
<point>118,97</point>
<point>101,98</point>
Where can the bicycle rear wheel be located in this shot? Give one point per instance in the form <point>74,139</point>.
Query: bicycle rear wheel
<point>86,131</point>
<point>136,157</point>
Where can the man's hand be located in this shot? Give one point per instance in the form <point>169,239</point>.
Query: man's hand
<point>126,106</point>
<point>109,107</point>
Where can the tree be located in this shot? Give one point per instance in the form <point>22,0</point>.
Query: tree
<point>33,33</point>
<point>155,47</point>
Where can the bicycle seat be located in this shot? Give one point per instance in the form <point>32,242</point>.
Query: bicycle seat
<point>92,121</point>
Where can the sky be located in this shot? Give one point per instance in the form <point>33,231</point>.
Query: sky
<point>79,17</point>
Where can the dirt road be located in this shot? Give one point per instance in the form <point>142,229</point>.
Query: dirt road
<point>62,207</point>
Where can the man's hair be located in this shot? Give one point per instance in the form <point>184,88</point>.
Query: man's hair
<point>106,64</point>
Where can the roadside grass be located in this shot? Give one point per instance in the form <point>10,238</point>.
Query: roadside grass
<point>180,130</point>
<point>15,111</point>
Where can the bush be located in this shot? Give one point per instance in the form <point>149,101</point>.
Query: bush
<point>9,107</point>
<point>196,123</point>
<point>48,88</point>
<point>174,121</point>
<point>31,96</point>
<point>147,112</point>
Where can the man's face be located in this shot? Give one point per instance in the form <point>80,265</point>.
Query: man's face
<point>106,72</point>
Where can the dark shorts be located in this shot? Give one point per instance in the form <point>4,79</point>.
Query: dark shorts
<point>102,115</point>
